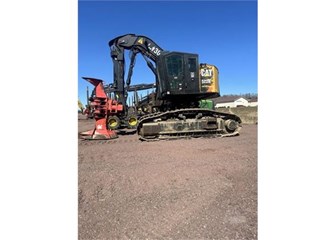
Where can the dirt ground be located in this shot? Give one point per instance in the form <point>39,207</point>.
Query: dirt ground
<point>180,189</point>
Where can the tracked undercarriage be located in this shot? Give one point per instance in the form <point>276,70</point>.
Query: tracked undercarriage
<point>188,123</point>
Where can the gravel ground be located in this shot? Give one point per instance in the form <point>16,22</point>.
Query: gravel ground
<point>180,189</point>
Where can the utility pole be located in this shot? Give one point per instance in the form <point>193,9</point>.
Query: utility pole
<point>87,96</point>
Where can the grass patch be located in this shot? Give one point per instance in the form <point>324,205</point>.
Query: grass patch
<point>248,115</point>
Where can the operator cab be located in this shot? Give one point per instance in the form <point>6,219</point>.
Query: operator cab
<point>179,76</point>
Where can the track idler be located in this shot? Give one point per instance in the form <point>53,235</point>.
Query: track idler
<point>231,125</point>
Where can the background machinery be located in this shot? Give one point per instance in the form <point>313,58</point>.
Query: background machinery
<point>81,107</point>
<point>85,110</point>
<point>173,109</point>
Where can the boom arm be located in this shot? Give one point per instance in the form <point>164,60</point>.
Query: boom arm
<point>135,44</point>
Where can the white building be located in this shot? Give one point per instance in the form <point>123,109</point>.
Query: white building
<point>233,101</point>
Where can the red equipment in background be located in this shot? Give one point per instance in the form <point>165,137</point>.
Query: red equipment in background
<point>103,108</point>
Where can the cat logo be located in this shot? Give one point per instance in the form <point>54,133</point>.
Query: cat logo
<point>140,41</point>
<point>206,72</point>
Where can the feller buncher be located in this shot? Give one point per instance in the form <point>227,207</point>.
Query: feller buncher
<point>173,109</point>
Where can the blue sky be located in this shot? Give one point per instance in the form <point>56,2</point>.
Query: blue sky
<point>223,33</point>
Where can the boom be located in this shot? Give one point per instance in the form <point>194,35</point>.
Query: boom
<point>135,44</point>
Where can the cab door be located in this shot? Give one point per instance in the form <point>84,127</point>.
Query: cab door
<point>175,73</point>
